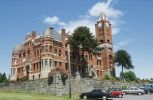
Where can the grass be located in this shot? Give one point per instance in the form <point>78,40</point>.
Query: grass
<point>32,96</point>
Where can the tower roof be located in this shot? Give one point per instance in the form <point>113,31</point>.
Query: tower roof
<point>50,32</point>
<point>17,49</point>
<point>103,17</point>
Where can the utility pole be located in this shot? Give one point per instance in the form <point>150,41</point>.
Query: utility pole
<point>69,70</point>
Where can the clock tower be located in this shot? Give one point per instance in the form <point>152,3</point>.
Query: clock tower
<point>104,37</point>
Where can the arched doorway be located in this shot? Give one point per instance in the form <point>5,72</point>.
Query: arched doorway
<point>27,70</point>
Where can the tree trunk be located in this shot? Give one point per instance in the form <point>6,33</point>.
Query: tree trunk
<point>83,65</point>
<point>122,75</point>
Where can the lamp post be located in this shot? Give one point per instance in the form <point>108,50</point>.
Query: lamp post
<point>69,71</point>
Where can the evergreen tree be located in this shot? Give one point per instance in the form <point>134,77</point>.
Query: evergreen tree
<point>1,79</point>
<point>84,38</point>
<point>4,77</point>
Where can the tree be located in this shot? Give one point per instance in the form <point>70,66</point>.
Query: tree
<point>4,77</point>
<point>84,38</point>
<point>130,76</point>
<point>1,80</point>
<point>123,59</point>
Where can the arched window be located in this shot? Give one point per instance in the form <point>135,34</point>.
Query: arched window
<point>101,41</point>
<point>110,57</point>
<point>108,41</point>
<point>66,44</point>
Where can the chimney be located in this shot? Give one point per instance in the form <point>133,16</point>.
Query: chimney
<point>33,34</point>
<point>62,34</point>
<point>63,31</point>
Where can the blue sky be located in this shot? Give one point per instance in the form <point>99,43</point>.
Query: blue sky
<point>132,22</point>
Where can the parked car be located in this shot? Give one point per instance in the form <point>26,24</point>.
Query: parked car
<point>133,90</point>
<point>148,88</point>
<point>96,94</point>
<point>116,92</point>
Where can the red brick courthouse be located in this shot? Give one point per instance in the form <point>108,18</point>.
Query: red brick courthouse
<point>39,55</point>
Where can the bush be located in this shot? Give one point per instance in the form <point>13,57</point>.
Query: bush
<point>106,77</point>
<point>129,76</point>
<point>124,87</point>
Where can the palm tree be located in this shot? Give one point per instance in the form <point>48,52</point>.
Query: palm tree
<point>123,59</point>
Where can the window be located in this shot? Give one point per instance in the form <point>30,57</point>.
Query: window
<point>33,77</point>
<point>50,62</point>
<point>39,75</point>
<point>66,66</point>
<point>46,48</point>
<point>42,62</point>
<point>66,53</point>
<point>101,41</point>
<point>28,53</point>
<point>50,48</point>
<point>86,56</point>
<point>37,65</point>
<point>22,69</point>
<point>46,62</point>
<point>108,41</point>
<point>19,55</point>
<point>110,57</point>
<point>55,63</point>
<point>34,66</point>
<point>59,52</point>
<point>24,54</point>
<point>98,62</point>
<point>60,63</point>
<point>38,53</point>
<point>55,51</point>
<point>66,45</point>
<point>35,54</point>
<point>42,49</point>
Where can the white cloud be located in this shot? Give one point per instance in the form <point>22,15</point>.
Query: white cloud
<point>62,23</point>
<point>121,45</point>
<point>90,18</point>
<point>81,22</point>
<point>112,13</point>
<point>51,20</point>
<point>106,8</point>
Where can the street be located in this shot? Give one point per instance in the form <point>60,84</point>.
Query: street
<point>136,97</point>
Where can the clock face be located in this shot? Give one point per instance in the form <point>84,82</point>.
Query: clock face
<point>99,24</point>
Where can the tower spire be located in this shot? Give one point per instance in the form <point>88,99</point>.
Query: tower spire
<point>102,17</point>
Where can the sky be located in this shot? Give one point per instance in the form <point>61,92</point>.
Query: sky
<point>132,25</point>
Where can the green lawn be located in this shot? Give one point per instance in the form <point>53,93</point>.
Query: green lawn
<point>32,96</point>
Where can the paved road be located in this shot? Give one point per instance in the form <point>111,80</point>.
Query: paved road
<point>136,97</point>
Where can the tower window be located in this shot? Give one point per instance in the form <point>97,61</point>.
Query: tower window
<point>108,41</point>
<point>101,41</point>
<point>110,57</point>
